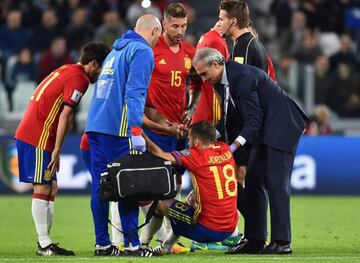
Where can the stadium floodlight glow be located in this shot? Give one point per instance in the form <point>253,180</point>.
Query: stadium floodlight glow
<point>146,3</point>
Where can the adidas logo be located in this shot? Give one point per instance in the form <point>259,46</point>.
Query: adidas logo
<point>162,62</point>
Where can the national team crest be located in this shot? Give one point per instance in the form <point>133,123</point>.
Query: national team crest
<point>47,175</point>
<point>9,170</point>
<point>187,62</point>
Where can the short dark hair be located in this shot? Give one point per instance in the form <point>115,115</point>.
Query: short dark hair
<point>204,130</point>
<point>94,51</point>
<point>176,10</point>
<point>237,9</point>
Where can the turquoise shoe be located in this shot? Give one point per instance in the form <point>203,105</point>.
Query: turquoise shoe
<point>232,241</point>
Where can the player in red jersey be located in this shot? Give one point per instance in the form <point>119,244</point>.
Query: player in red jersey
<point>167,89</point>
<point>208,107</point>
<point>41,133</point>
<point>212,168</point>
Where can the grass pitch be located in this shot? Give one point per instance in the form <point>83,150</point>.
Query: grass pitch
<point>325,229</point>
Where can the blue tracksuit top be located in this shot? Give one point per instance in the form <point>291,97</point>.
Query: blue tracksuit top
<point>120,92</point>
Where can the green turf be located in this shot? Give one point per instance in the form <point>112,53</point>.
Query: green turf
<point>325,229</point>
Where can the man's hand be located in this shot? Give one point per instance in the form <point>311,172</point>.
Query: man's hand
<point>187,116</point>
<point>183,131</point>
<point>137,141</point>
<point>54,164</point>
<point>172,128</point>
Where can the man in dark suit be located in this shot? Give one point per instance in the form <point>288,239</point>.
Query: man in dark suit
<point>268,118</point>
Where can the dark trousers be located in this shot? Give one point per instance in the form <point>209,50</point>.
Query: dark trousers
<point>268,181</point>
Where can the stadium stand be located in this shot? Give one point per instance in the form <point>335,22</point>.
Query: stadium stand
<point>295,41</point>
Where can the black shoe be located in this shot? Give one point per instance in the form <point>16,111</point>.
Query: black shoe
<point>52,250</point>
<point>247,247</point>
<point>276,248</point>
<point>109,250</point>
<point>138,253</point>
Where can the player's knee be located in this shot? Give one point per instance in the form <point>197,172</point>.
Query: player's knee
<point>163,207</point>
<point>43,189</point>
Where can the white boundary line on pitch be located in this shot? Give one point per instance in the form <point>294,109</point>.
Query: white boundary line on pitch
<point>57,258</point>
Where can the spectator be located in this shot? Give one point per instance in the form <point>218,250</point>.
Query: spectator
<point>22,70</point>
<point>309,50</point>
<point>283,73</point>
<point>66,11</point>
<point>320,123</point>
<point>99,7</point>
<point>45,33</point>
<point>345,92</point>
<point>13,37</point>
<point>79,30</point>
<point>291,39</point>
<point>346,54</point>
<point>111,28</point>
<point>279,8</point>
<point>322,80</point>
<point>56,56</point>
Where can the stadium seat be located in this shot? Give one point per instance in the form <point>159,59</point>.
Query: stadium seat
<point>22,94</point>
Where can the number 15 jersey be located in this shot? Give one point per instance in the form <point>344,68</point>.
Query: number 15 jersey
<point>215,185</point>
<point>167,89</point>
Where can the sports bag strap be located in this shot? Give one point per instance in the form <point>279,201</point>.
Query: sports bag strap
<point>149,215</point>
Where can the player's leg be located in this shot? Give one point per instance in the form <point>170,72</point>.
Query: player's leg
<point>33,164</point>
<point>183,223</point>
<point>147,231</point>
<point>54,191</point>
<point>117,236</point>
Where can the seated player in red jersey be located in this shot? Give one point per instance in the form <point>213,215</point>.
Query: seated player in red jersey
<point>212,168</point>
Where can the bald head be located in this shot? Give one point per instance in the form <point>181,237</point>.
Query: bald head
<point>147,22</point>
<point>149,27</point>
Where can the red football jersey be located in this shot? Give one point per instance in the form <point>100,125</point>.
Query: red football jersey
<point>84,143</point>
<point>209,107</point>
<point>167,89</point>
<point>65,85</point>
<point>215,185</point>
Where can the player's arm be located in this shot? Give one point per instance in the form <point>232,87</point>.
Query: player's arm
<point>65,121</point>
<point>194,95</point>
<point>168,127</point>
<point>155,150</point>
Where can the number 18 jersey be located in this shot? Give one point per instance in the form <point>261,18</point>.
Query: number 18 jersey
<point>215,185</point>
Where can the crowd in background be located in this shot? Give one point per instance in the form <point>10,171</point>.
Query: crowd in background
<point>307,39</point>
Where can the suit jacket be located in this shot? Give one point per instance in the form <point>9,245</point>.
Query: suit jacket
<point>263,111</point>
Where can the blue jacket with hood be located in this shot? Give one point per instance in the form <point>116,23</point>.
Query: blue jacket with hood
<point>120,92</point>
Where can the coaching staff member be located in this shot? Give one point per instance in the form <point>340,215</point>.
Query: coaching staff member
<point>273,123</point>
